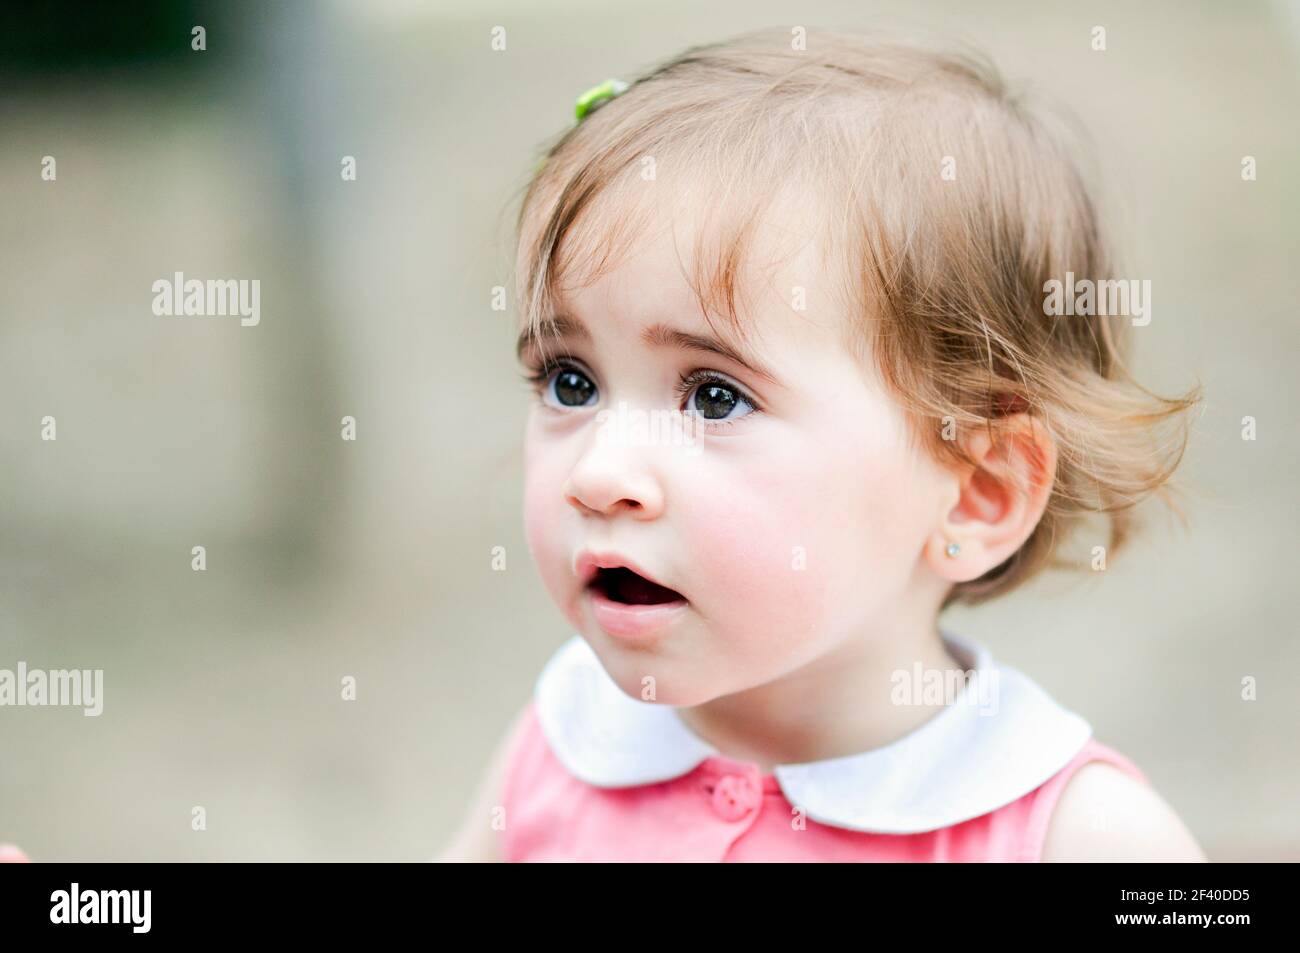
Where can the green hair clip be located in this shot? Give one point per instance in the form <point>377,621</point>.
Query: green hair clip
<point>589,102</point>
<point>597,96</point>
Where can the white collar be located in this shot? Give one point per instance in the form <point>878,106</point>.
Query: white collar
<point>961,763</point>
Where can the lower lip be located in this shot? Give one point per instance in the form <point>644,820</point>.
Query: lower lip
<point>632,622</point>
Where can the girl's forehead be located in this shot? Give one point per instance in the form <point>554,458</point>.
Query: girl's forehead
<point>680,262</point>
<point>646,304</point>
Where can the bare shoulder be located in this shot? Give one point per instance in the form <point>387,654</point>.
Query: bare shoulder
<point>1105,814</point>
<point>477,840</point>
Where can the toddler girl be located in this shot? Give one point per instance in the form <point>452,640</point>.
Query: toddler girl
<point>798,389</point>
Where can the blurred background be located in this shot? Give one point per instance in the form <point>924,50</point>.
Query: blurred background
<point>372,558</point>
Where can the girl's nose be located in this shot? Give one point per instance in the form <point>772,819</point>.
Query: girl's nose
<point>607,481</point>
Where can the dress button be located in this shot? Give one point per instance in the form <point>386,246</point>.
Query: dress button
<point>734,797</point>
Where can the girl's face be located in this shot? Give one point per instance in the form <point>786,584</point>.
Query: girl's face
<point>795,521</point>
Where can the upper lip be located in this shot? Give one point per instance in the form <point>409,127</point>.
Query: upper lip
<point>590,562</point>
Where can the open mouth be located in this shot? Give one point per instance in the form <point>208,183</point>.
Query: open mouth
<point>623,585</point>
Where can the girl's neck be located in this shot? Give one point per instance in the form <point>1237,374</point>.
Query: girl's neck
<point>841,703</point>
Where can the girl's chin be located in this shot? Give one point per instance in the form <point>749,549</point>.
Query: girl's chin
<point>656,678</point>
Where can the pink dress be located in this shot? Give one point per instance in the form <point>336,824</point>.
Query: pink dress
<point>595,775</point>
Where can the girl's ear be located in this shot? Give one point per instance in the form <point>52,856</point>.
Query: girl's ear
<point>992,508</point>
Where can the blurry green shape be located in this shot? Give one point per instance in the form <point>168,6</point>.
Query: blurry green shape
<point>588,103</point>
<point>597,96</point>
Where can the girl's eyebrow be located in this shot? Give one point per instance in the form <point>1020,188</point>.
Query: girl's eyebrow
<point>557,327</point>
<point>657,335</point>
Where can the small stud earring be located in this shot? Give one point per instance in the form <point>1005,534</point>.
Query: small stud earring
<point>953,549</point>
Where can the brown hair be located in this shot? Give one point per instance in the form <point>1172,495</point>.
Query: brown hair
<point>944,275</point>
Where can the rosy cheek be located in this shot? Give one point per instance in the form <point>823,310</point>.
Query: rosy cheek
<point>537,519</point>
<point>544,513</point>
<point>751,550</point>
<point>802,545</point>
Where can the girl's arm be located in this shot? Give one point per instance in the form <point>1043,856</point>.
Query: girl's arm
<point>475,841</point>
<point>1106,815</point>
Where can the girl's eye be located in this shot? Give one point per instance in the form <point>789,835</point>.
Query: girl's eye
<point>715,398</point>
<point>706,394</point>
<point>565,385</point>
